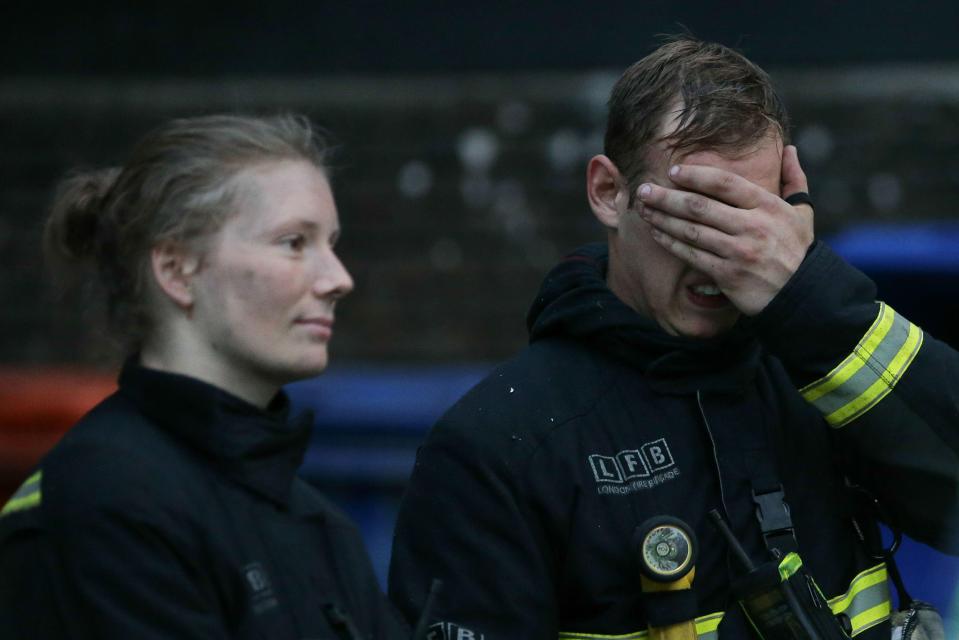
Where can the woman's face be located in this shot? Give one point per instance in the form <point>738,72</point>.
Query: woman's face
<point>266,289</point>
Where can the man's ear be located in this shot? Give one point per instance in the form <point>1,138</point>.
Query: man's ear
<point>173,267</point>
<point>606,191</point>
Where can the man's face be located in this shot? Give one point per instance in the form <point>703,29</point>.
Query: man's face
<point>683,301</point>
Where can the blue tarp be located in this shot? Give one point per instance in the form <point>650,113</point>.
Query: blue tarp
<point>931,247</point>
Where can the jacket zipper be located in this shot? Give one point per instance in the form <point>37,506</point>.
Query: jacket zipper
<point>719,473</point>
<point>712,440</point>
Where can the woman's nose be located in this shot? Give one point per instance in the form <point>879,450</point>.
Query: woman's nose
<point>333,280</point>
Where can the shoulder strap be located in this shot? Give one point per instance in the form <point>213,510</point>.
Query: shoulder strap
<point>867,513</point>
<point>769,498</point>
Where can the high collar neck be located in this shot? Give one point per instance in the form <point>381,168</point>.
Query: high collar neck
<point>258,448</point>
<point>575,302</point>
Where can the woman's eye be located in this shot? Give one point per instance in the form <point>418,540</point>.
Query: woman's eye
<point>295,243</point>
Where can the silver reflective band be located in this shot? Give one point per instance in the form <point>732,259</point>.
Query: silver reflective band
<point>870,372</point>
<point>26,497</point>
<point>867,603</point>
<point>706,627</point>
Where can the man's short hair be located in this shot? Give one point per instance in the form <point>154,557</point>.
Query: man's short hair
<point>726,104</point>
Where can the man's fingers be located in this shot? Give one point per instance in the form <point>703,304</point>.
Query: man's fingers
<point>690,206</point>
<point>794,179</point>
<point>728,187</point>
<point>699,259</point>
<point>691,233</point>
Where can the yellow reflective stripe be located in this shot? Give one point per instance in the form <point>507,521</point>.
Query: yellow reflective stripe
<point>19,504</point>
<point>571,635</point>
<point>864,590</point>
<point>870,617</point>
<point>705,628</point>
<point>26,497</point>
<point>35,478</point>
<point>790,565</point>
<point>870,372</point>
<point>881,387</point>
<point>906,355</point>
<point>853,362</point>
<point>867,603</point>
<point>864,580</point>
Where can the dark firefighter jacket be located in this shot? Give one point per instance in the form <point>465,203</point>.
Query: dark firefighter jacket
<point>172,511</point>
<point>525,497</point>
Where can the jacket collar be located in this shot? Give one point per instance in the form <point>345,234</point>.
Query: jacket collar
<point>260,449</point>
<point>575,302</point>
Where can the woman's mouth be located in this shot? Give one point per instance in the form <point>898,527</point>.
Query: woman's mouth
<point>319,327</point>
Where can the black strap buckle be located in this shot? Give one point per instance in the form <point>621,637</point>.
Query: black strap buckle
<point>775,521</point>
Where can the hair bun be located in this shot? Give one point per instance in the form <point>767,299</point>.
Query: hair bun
<point>76,214</point>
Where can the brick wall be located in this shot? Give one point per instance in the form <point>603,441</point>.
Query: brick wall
<point>456,193</point>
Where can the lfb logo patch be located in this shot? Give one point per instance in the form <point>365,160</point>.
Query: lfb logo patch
<point>259,588</point>
<point>632,464</point>
<point>450,631</point>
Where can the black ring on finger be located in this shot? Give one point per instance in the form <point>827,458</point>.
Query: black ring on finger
<point>800,197</point>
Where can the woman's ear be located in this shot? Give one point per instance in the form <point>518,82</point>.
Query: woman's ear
<point>606,191</point>
<point>174,267</point>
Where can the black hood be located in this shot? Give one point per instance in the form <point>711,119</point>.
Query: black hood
<point>575,302</point>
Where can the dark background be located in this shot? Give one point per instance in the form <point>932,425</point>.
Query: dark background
<point>210,39</point>
<point>448,251</point>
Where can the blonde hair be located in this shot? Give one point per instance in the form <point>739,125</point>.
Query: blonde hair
<point>177,186</point>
